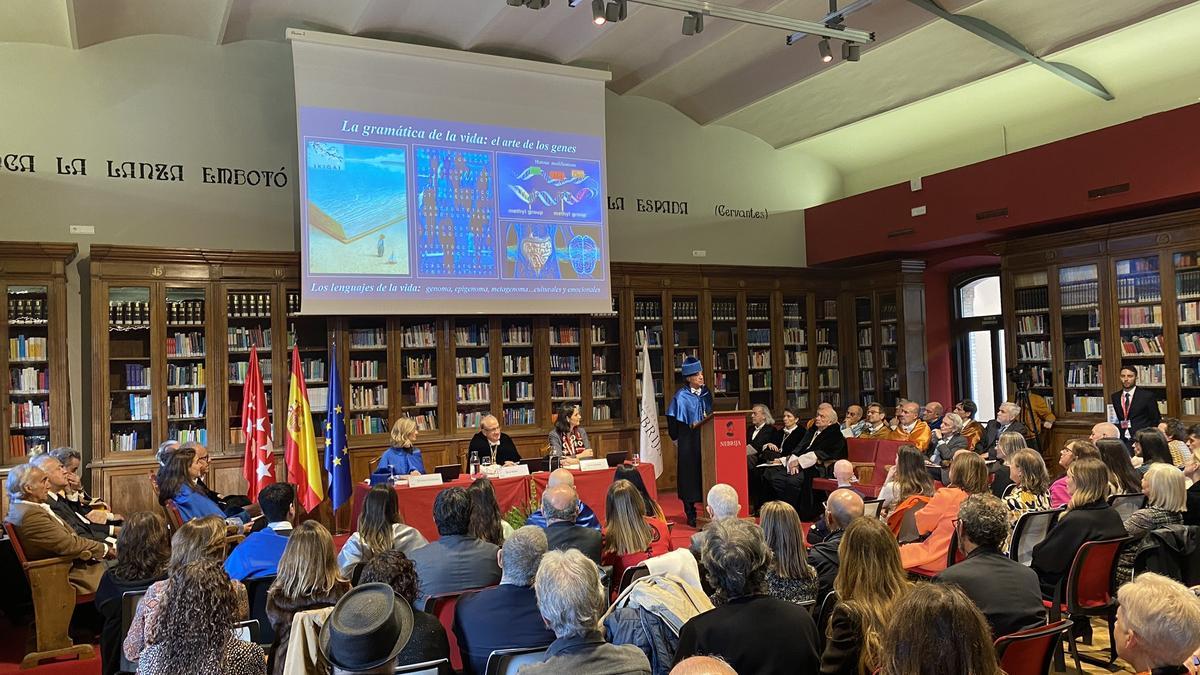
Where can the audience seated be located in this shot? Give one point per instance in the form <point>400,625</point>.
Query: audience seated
<point>307,579</point>
<point>1176,434</point>
<point>1192,472</point>
<point>631,536</point>
<point>487,523</point>
<point>366,631</point>
<point>630,473</point>
<point>1105,430</point>
<point>968,476</point>
<point>842,507</point>
<point>63,509</point>
<point>946,440</point>
<point>703,665</point>
<point>935,629</point>
<point>789,577</point>
<point>1006,591</point>
<point>1073,450</point>
<point>1030,489</point>
<point>1166,498</point>
<point>428,641</point>
<point>907,478</point>
<point>876,427</point>
<point>457,561</point>
<point>721,502</point>
<point>380,528</point>
<point>1007,419</point>
<point>1009,445</point>
<point>1158,625</point>
<point>744,627</point>
<point>909,427</point>
<point>43,535</point>
<point>200,539</point>
<point>178,483</point>
<point>143,549</point>
<point>1088,518</point>
<point>259,554</point>
<point>571,602</point>
<point>1151,445</point>
<point>814,456</point>
<point>95,510</point>
<point>560,505</point>
<point>843,473</point>
<point>195,623</point>
<point>780,445</point>
<point>869,582</point>
<point>505,616</point>
<point>587,517</point>
<point>972,429</point>
<point>853,423</point>
<point>1123,479</point>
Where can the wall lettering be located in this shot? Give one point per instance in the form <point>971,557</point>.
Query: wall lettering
<point>18,163</point>
<point>729,212</point>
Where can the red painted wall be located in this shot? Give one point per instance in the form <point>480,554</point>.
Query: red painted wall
<point>1155,155</point>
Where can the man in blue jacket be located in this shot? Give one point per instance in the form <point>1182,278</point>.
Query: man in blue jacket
<point>259,554</point>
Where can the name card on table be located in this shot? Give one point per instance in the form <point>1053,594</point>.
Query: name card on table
<point>425,480</point>
<point>510,471</point>
<point>593,464</point>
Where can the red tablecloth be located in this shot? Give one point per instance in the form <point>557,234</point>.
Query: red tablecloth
<point>416,504</point>
<point>592,486</point>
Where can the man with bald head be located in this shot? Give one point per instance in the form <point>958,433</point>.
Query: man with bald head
<point>842,507</point>
<point>491,442</point>
<point>560,506</point>
<point>932,414</point>
<point>814,456</point>
<point>1104,430</point>
<point>853,424</point>
<point>909,427</point>
<point>586,518</point>
<point>703,665</point>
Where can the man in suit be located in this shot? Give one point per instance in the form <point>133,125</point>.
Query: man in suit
<point>43,535</point>
<point>1006,591</point>
<point>62,508</point>
<point>491,442</point>
<point>909,427</point>
<point>760,431</point>
<point>842,507</point>
<point>823,445</point>
<point>853,424</point>
<point>972,429</point>
<point>586,518</point>
<point>781,445</point>
<point>561,506</point>
<point>1006,420</point>
<point>259,554</point>
<point>947,440</point>
<point>456,561</point>
<point>505,616</point>
<point>932,413</point>
<point>1136,408</point>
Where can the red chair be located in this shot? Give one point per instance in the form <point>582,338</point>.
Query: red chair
<point>174,517</point>
<point>442,606</point>
<point>1030,652</point>
<point>954,554</point>
<point>1088,590</point>
<point>54,601</point>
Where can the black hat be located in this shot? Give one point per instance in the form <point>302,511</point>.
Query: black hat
<point>367,628</point>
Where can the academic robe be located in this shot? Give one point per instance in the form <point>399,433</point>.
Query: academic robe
<point>686,409</point>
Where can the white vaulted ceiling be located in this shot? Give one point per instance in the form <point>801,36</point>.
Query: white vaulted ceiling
<point>732,74</point>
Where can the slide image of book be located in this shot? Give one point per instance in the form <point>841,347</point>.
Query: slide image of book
<point>456,230</point>
<point>548,188</point>
<point>551,251</point>
<point>357,208</point>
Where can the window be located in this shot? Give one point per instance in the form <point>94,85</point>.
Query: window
<point>978,335</point>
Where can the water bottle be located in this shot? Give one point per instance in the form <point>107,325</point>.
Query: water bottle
<point>474,464</point>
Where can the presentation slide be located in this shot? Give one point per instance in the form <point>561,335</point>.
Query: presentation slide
<point>400,208</point>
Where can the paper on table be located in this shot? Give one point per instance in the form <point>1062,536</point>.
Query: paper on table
<point>766,464</point>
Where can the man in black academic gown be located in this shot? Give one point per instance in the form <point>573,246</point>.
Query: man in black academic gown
<point>691,407</point>
<point>1136,408</point>
<point>814,456</point>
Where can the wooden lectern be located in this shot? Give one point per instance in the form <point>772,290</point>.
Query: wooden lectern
<point>723,453</point>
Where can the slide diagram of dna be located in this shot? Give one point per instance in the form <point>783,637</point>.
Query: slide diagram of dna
<point>570,190</point>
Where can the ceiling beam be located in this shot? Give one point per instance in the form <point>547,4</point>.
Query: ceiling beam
<point>72,29</point>
<point>1005,41</point>
<point>223,25</point>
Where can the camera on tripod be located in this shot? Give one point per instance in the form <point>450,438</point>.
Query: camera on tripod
<point>1022,377</point>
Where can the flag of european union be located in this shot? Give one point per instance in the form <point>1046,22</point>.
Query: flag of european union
<point>337,455</point>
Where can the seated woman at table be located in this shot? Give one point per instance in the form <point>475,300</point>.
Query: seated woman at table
<point>630,473</point>
<point>403,458</point>
<point>568,440</point>
<point>177,483</point>
<point>630,536</point>
<point>380,528</point>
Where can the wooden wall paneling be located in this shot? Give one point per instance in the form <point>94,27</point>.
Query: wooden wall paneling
<point>126,487</point>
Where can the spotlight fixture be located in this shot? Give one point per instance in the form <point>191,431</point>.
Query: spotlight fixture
<point>515,3</point>
<point>616,11</point>
<point>826,52</point>
<point>598,16</point>
<point>850,51</point>
<point>693,23</point>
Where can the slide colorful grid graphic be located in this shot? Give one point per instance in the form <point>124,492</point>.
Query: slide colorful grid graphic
<point>455,213</point>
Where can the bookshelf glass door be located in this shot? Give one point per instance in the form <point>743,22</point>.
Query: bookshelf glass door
<point>864,313</point>
<point>758,350</point>
<point>516,355</point>
<point>248,317</point>
<point>685,332</point>
<point>606,364</point>
<point>726,345</point>
<point>795,351</point>
<point>829,375</point>
<point>472,371</point>
<point>566,363</point>
<point>1187,301</point>
<point>1079,300</point>
<point>187,347</point>
<point>310,334</point>
<point>889,357</point>
<point>418,349</point>
<point>648,330</point>
<point>1034,353</point>
<point>29,370</point>
<point>1140,323</point>
<point>130,405</point>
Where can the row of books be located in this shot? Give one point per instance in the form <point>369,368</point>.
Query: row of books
<point>795,358</point>
<point>1187,284</point>
<point>249,305</point>
<point>312,369</point>
<point>1189,312</point>
<point>647,310</point>
<point>473,365</point>
<point>1085,294</point>
<point>795,379</point>
<point>891,382</point>
<point>1031,324</point>
<point>473,335</point>
<point>469,420</point>
<point>1085,375</point>
<point>1142,344</point>
<point>426,421</point>
<point>606,389</point>
<point>1139,289</point>
<point>518,365</point>
<point>725,383</point>
<point>293,303</point>
<point>242,338</point>
<point>599,333</point>
<point>188,404</point>
<point>564,363</point>
<point>887,334</point>
<point>28,379</point>
<point>518,334</point>
<point>685,310</point>
<point>125,441</point>
<point>829,378</point>
<point>1037,350</point>
<point>864,337</point>
<point>566,389</point>
<point>239,369</point>
<point>724,310</point>
<point>599,363</point>
<point>363,397</point>
<point>1151,374</point>
<point>189,435</point>
<point>867,380</point>
<point>760,379</point>
<point>25,444</point>
<point>128,313</point>
<point>137,376</point>
<point>793,312</point>
<point>1087,404</point>
<point>887,359</point>
<point>518,390</point>
<point>361,425</point>
<point>185,344</point>
<point>26,348</point>
<point>829,310</point>
<point>1087,348</point>
<point>418,366</point>
<point>653,337</point>
<point>795,336</point>
<point>827,358</point>
<point>866,358</point>
<point>27,310</point>
<point>419,337</point>
<point>190,312</point>
<point>1133,317</point>
<point>424,393</point>
<point>758,336</point>
<point>368,337</point>
<point>826,336</point>
<point>760,358</point>
<point>29,414</point>
<point>758,311</point>
<point>833,398</point>
<point>519,415</point>
<point>601,411</point>
<point>476,392</point>
<point>140,408</point>
<point>187,375</point>
<point>366,370</point>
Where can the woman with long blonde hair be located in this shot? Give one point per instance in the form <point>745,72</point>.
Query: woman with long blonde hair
<point>1088,518</point>
<point>308,578</point>
<point>630,536</point>
<point>870,580</point>
<point>790,577</point>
